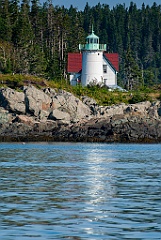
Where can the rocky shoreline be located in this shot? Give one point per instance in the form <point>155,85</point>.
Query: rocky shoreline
<point>49,115</point>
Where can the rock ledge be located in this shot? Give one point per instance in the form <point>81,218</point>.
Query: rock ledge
<point>48,115</point>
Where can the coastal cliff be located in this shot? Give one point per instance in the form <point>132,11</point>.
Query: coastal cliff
<point>49,115</point>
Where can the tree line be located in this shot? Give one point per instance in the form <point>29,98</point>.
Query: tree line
<point>35,38</point>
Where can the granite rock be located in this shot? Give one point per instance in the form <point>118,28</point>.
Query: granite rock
<point>50,115</point>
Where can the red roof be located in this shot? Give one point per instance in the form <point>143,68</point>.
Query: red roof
<point>75,61</point>
<point>113,59</point>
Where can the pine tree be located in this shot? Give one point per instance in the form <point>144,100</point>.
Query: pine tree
<point>14,9</point>
<point>133,74</point>
<point>38,62</point>
<point>23,39</point>
<point>5,24</point>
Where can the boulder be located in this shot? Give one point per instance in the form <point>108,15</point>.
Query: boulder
<point>12,100</point>
<point>36,101</point>
<point>59,115</point>
<point>5,116</point>
<point>158,104</point>
<point>49,115</point>
<point>115,109</point>
<point>24,119</point>
<point>68,104</point>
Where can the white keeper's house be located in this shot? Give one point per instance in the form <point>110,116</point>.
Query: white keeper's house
<point>93,65</point>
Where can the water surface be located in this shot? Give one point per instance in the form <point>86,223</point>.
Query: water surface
<point>80,191</point>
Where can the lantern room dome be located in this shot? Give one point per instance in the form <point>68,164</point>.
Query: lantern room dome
<point>92,35</point>
<point>92,43</point>
<point>92,38</point>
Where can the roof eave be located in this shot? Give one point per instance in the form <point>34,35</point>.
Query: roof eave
<point>116,71</point>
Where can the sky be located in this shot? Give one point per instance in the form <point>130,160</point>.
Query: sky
<point>80,4</point>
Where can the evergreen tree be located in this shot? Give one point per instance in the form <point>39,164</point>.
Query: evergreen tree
<point>103,33</point>
<point>133,74</point>
<point>38,62</point>
<point>88,19</point>
<point>5,24</point>
<point>36,39</point>
<point>14,9</point>
<point>75,34</point>
<point>23,39</point>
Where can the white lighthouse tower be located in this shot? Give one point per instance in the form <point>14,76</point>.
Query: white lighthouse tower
<point>92,58</point>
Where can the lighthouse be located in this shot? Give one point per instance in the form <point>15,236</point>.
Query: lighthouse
<point>92,65</point>
<point>92,58</point>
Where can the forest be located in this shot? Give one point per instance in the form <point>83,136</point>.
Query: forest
<point>36,38</point>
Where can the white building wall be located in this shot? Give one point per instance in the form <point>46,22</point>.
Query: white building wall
<point>92,70</point>
<point>74,78</point>
<point>110,78</point>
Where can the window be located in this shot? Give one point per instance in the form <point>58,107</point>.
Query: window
<point>104,68</point>
<point>95,40</point>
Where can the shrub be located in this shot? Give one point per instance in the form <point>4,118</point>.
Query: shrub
<point>139,97</point>
<point>159,98</point>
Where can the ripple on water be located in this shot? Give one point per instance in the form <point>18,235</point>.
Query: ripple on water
<point>80,191</point>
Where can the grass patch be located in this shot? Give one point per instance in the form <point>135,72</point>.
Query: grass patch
<point>17,80</point>
<point>100,94</point>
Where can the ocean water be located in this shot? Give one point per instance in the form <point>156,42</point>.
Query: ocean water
<point>80,191</point>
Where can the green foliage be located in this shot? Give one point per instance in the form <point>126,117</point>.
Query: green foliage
<point>103,96</point>
<point>78,90</point>
<point>18,80</point>
<point>139,97</point>
<point>132,72</point>
<point>159,96</point>
<point>146,89</point>
<point>40,36</point>
<point>100,94</point>
<point>8,66</point>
